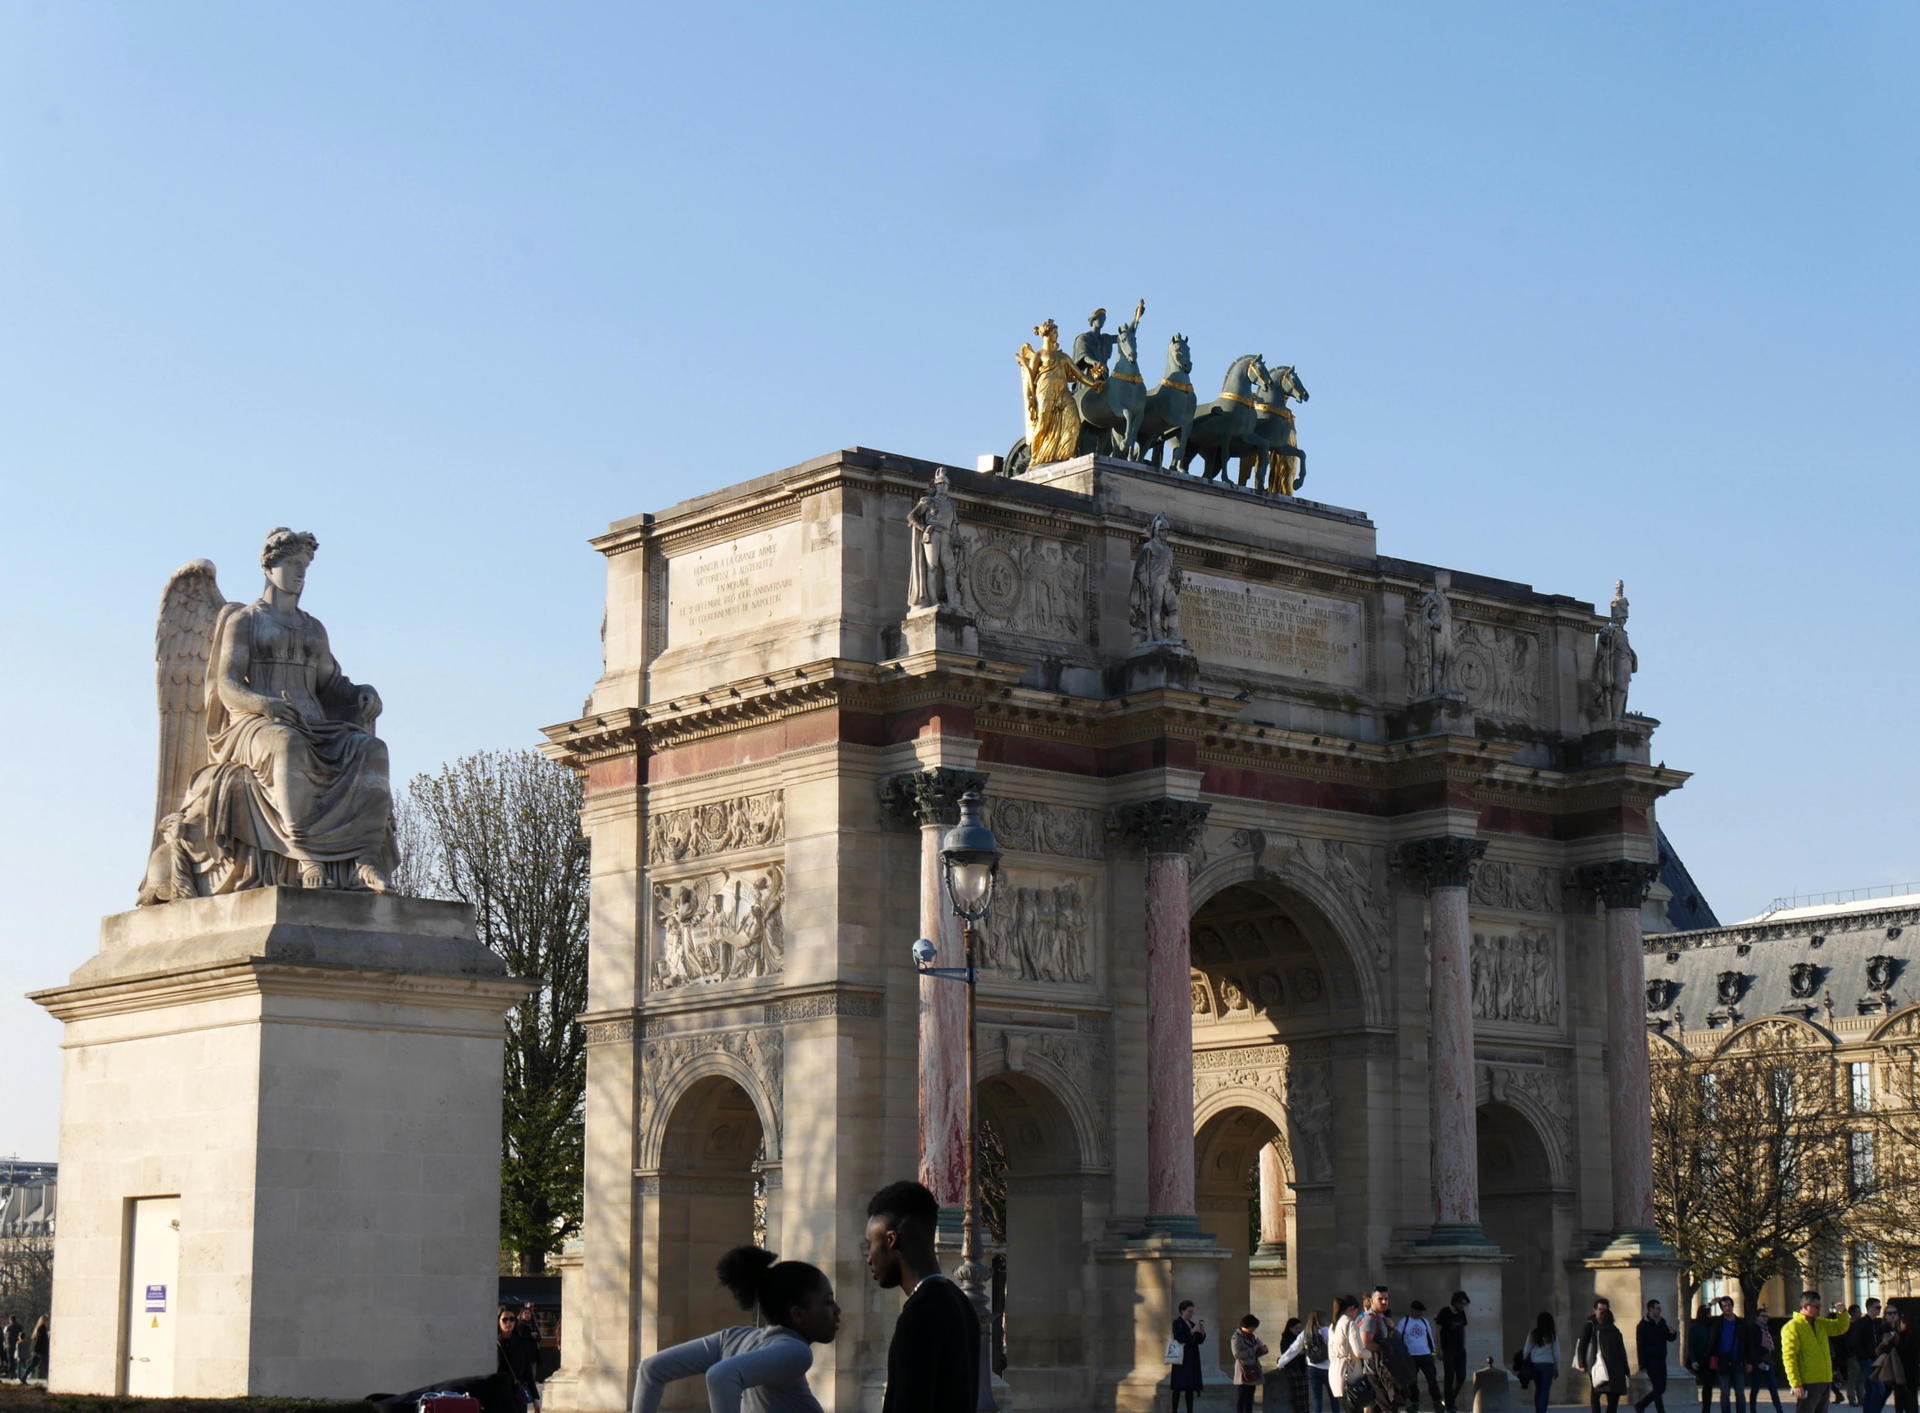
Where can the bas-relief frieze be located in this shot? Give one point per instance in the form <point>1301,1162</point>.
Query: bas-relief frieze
<point>720,926</point>
<point>720,827</point>
<point>1085,1059</point>
<point>1258,992</point>
<point>1516,977</point>
<point>1515,887</point>
<point>1027,584</point>
<point>1041,931</point>
<point>761,1050</point>
<point>1498,669</point>
<point>1035,827</point>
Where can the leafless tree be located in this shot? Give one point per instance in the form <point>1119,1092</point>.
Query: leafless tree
<point>500,831</point>
<point>26,1277</point>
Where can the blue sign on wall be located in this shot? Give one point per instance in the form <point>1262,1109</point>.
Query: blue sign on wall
<point>156,1300</point>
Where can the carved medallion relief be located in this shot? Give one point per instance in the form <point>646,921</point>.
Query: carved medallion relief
<point>1035,827</point>
<point>1026,584</point>
<point>1498,669</point>
<point>1516,977</point>
<point>1515,887</point>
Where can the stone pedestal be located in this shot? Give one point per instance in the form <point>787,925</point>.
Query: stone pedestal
<point>1163,664</point>
<point>315,1078</point>
<point>939,629</point>
<point>1141,1285</point>
<point>1433,1271</point>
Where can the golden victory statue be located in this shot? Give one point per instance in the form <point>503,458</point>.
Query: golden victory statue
<point>1048,377</point>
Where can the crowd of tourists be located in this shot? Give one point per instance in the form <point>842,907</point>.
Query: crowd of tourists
<point>1355,1356</point>
<point>23,1351</point>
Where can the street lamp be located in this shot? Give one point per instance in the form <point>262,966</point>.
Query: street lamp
<point>969,869</point>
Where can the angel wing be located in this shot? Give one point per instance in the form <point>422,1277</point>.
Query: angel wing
<point>190,612</point>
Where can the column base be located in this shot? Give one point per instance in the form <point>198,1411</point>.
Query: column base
<point>1457,1236</point>
<point>1183,1226</point>
<point>1630,1268</point>
<point>1142,1281</point>
<point>1444,1262</point>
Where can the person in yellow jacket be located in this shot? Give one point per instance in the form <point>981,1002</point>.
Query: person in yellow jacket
<point>1804,1353</point>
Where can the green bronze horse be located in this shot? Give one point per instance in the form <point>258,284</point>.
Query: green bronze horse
<point>1228,419</point>
<point>1169,411</point>
<point>1270,457</point>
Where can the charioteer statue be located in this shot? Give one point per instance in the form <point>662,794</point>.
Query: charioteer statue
<point>1095,401</point>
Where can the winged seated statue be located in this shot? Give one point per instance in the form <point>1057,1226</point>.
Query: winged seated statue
<point>270,772</point>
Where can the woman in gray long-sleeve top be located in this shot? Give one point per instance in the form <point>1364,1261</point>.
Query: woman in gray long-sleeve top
<point>753,1368</point>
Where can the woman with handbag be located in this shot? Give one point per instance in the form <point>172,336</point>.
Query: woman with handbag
<point>1601,1355</point>
<point>1183,1353</point>
<point>1896,1362</point>
<point>1247,1351</point>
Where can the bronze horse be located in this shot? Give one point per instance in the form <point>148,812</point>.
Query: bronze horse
<point>1111,411</point>
<point>1270,457</point>
<point>1229,418</point>
<point>1169,411</point>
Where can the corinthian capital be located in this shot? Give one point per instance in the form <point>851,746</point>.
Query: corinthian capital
<point>1618,883</point>
<point>1162,826</point>
<point>1444,861</point>
<point>926,797</point>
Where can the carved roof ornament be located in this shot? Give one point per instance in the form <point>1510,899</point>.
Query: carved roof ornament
<point>1163,826</point>
<point>1881,971</point>
<point>1618,883</point>
<point>1444,861</point>
<point>928,797</point>
<point>1660,993</point>
<point>1731,986</point>
<point>1804,979</point>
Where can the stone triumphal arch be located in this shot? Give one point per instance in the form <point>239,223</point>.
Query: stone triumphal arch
<point>1304,847</point>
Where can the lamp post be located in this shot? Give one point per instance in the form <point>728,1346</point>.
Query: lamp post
<point>969,869</point>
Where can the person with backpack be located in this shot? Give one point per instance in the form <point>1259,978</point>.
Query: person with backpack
<point>1387,1379</point>
<point>1247,1351</point>
<point>1315,1358</point>
<point>1601,1355</point>
<point>1291,1366</point>
<point>1541,1355</point>
<point>1422,1344</point>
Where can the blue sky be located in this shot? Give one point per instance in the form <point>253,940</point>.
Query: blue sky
<point>1581,292</point>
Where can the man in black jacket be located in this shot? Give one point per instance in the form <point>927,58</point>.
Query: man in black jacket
<point>933,1364</point>
<point>1453,1346</point>
<point>1650,1340</point>
<point>1863,1340</point>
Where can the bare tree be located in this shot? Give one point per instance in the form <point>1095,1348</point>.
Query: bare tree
<point>500,831</point>
<point>26,1277</point>
<point>1760,1155</point>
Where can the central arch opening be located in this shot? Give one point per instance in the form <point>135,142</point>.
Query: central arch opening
<point>1273,987</point>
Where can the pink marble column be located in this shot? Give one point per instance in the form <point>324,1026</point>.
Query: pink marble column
<point>1621,885</point>
<point>931,799</point>
<point>1445,865</point>
<point>1273,1201</point>
<point>1166,829</point>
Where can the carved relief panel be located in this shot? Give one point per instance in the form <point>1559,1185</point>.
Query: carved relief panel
<point>1516,977</point>
<point>1042,929</point>
<point>1028,584</point>
<point>1515,887</point>
<point>1036,827</point>
<point>720,926</point>
<point>719,827</point>
<point>1498,669</point>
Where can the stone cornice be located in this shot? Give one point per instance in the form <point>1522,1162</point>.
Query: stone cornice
<point>1745,934</point>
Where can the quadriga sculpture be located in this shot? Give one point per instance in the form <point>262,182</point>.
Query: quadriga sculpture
<point>270,773</point>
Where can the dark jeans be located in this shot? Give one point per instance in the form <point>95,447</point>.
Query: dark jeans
<point>1543,1377</point>
<point>1322,1395</point>
<point>1733,1390</point>
<point>1243,1398</point>
<point>1612,1401</point>
<point>1818,1396</point>
<point>1906,1398</point>
<point>1767,1377</point>
<point>1423,1364</point>
<point>1454,1359</point>
<point>1875,1397</point>
<point>1656,1389</point>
